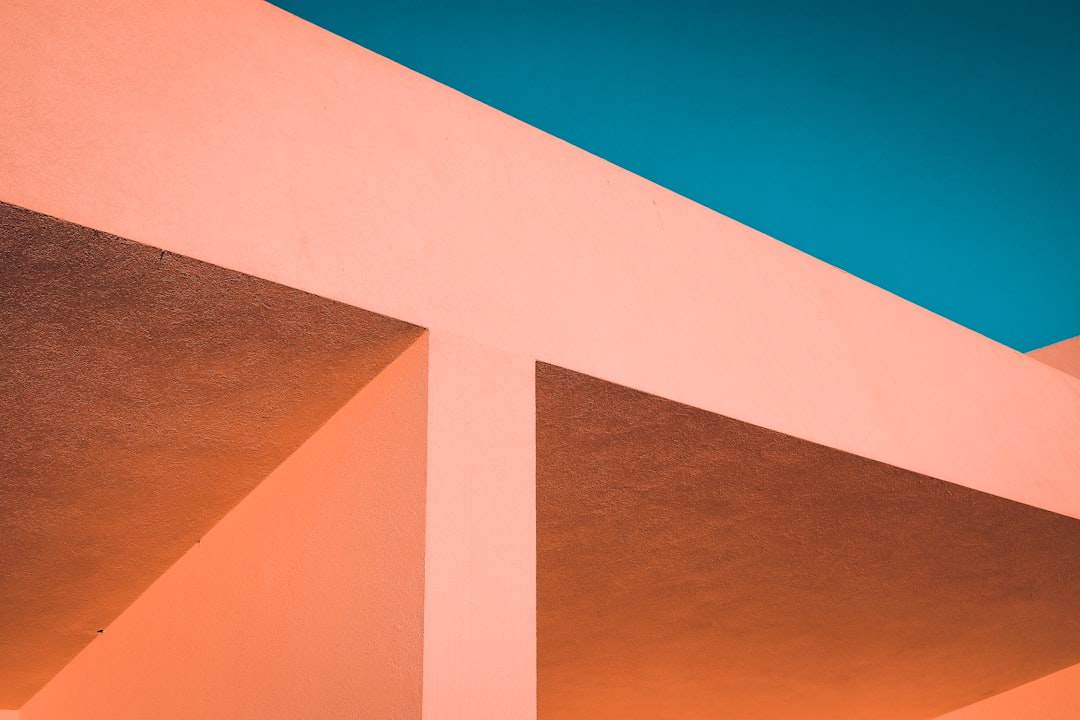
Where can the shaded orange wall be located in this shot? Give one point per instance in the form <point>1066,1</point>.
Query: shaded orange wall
<point>1054,697</point>
<point>693,566</point>
<point>306,600</point>
<point>1064,355</point>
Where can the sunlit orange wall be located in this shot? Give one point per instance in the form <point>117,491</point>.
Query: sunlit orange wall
<point>1054,697</point>
<point>306,601</point>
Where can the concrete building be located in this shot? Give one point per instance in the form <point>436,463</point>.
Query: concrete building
<point>330,392</point>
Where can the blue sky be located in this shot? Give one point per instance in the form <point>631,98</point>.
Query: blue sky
<point>930,148</point>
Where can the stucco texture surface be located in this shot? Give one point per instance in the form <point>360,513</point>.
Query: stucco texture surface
<point>694,566</point>
<point>142,395</point>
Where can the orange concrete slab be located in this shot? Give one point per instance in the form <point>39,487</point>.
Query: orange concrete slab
<point>142,395</point>
<point>1054,697</point>
<point>235,133</point>
<point>306,600</point>
<point>1064,355</point>
<point>690,565</point>
<point>480,607</point>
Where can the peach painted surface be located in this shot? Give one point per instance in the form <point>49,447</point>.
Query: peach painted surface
<point>1064,355</point>
<point>1054,697</point>
<point>480,608</point>
<point>233,132</point>
<point>305,601</point>
<point>9,715</point>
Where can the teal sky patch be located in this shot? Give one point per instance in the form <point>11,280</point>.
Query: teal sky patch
<point>932,149</point>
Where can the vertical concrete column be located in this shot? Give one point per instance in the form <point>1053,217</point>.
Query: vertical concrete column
<point>480,585</point>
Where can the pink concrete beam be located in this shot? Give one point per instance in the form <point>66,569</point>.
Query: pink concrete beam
<point>235,133</point>
<point>1053,697</point>
<point>306,600</point>
<point>1064,355</point>
<point>480,591</point>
